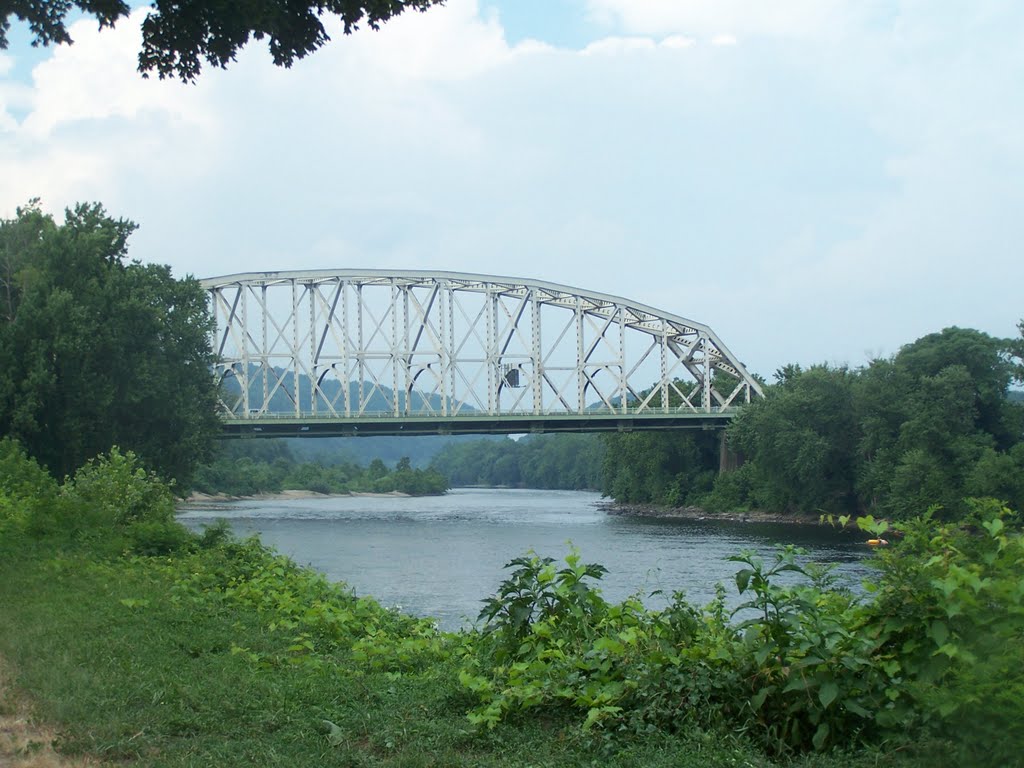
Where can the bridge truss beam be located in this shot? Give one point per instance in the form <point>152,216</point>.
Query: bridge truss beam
<point>369,346</point>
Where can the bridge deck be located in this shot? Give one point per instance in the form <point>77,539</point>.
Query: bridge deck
<point>282,425</point>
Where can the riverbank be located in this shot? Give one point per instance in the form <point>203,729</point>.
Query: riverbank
<point>142,661</point>
<point>216,498</point>
<point>697,513</point>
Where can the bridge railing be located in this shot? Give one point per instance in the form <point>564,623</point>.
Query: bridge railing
<point>350,344</point>
<point>255,415</point>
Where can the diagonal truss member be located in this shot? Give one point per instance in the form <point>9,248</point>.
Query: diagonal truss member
<point>369,343</point>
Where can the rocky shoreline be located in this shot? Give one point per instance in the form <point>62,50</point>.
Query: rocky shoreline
<point>697,513</point>
<point>219,498</point>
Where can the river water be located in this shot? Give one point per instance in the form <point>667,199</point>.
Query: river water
<point>440,556</point>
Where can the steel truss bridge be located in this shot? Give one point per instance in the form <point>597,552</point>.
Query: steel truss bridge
<point>359,352</point>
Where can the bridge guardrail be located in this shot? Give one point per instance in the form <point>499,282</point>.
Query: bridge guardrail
<point>628,412</point>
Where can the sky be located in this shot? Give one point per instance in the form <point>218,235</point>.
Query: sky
<point>817,180</point>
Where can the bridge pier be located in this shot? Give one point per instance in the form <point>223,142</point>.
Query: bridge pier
<point>728,460</point>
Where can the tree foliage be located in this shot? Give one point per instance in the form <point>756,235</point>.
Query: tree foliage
<point>799,665</point>
<point>96,351</point>
<point>1016,350</point>
<point>928,426</point>
<point>268,466</point>
<point>178,35</point>
<point>563,461</point>
<point>668,468</point>
<point>804,440</point>
<point>926,663</point>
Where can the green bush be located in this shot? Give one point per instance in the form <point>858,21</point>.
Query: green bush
<point>157,537</point>
<point>115,500</point>
<point>317,620</point>
<point>13,516</point>
<point>949,618</point>
<point>933,658</point>
<point>27,491</point>
<point>116,490</point>
<point>21,477</point>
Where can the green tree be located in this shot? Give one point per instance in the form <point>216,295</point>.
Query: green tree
<point>1016,350</point>
<point>998,476</point>
<point>987,367</point>
<point>562,461</point>
<point>669,468</point>
<point>96,351</point>
<point>177,35</point>
<point>801,439</point>
<point>928,416</point>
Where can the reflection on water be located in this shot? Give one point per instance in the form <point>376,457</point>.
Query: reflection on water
<point>441,556</point>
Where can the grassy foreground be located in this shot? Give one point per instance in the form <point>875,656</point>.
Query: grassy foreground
<point>141,643</point>
<point>130,673</point>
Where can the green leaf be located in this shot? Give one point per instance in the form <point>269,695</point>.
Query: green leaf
<point>939,633</point>
<point>757,700</point>
<point>949,650</point>
<point>790,567</point>
<point>994,527</point>
<point>798,683</point>
<point>743,579</point>
<point>820,736</point>
<point>826,695</point>
<point>857,709</point>
<point>761,654</point>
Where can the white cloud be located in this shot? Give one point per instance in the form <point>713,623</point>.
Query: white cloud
<point>95,79</point>
<point>707,19</point>
<point>454,44</point>
<point>840,181</point>
<point>677,41</point>
<point>614,45</point>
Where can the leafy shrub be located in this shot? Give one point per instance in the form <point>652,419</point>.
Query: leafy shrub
<point>13,516</point>
<point>27,491</point>
<point>115,490</point>
<point>115,500</point>
<point>157,537</point>
<point>551,640</point>
<point>537,592</point>
<point>316,619</point>
<point>811,680</point>
<point>935,656</point>
<point>949,618</point>
<point>21,477</point>
<point>215,535</point>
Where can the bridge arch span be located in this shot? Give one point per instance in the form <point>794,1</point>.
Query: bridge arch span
<point>346,349</point>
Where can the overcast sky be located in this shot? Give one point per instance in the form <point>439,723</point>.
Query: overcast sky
<point>817,180</point>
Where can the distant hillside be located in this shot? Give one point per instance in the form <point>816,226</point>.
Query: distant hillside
<point>420,449</point>
<point>331,451</point>
<point>380,398</point>
<point>564,461</point>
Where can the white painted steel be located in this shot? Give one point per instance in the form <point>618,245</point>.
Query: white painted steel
<point>355,343</point>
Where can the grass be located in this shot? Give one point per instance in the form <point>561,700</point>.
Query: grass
<point>126,673</point>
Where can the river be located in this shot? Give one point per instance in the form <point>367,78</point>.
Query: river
<point>440,556</point>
